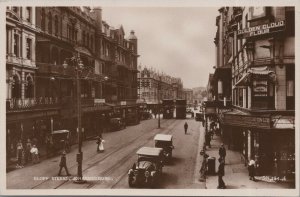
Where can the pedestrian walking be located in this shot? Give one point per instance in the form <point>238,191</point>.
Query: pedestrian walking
<point>251,169</point>
<point>34,154</point>
<point>49,144</point>
<point>100,146</point>
<point>221,173</point>
<point>207,139</point>
<point>19,154</point>
<point>63,164</point>
<point>185,127</point>
<point>222,152</point>
<point>28,156</point>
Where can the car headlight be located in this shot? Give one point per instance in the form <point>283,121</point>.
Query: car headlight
<point>130,171</point>
<point>152,173</point>
<point>147,174</point>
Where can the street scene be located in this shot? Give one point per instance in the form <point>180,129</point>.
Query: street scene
<point>181,98</point>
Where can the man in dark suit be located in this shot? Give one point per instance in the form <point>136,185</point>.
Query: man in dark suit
<point>222,152</point>
<point>221,173</point>
<point>63,164</point>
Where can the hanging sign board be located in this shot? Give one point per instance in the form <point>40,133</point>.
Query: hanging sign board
<point>260,88</point>
<point>261,29</point>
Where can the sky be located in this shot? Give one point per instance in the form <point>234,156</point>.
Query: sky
<point>175,40</point>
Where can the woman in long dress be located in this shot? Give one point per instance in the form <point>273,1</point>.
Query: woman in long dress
<point>100,146</point>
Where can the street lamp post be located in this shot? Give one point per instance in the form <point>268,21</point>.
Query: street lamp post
<point>79,157</point>
<point>158,95</point>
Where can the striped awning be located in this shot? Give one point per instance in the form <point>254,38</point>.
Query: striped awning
<point>262,71</point>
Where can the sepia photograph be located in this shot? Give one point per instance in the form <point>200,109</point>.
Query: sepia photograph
<point>149,98</point>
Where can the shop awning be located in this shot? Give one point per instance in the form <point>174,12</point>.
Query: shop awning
<point>261,71</point>
<point>83,50</point>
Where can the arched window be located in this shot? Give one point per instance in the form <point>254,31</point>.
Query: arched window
<point>43,19</point>
<point>50,23</point>
<point>16,87</point>
<point>56,25</point>
<point>29,91</point>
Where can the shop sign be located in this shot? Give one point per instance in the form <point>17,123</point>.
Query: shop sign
<point>21,116</point>
<point>98,101</point>
<point>123,102</point>
<point>247,121</point>
<point>261,29</point>
<point>260,88</point>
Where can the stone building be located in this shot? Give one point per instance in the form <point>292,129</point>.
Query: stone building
<point>259,48</point>
<point>42,44</point>
<point>154,86</point>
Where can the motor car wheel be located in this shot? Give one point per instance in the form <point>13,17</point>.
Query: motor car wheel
<point>130,181</point>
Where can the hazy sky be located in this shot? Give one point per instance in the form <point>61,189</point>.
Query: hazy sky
<point>177,41</point>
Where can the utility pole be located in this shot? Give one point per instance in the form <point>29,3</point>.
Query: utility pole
<point>158,96</point>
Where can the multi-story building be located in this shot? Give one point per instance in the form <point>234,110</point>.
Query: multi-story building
<point>188,96</point>
<point>20,70</point>
<point>259,46</point>
<point>154,86</point>
<point>42,44</point>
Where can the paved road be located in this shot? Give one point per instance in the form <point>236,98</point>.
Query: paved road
<point>112,165</point>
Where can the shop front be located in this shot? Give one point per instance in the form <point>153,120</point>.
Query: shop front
<point>270,142</point>
<point>33,125</point>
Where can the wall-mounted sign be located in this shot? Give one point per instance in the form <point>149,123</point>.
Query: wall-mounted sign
<point>247,121</point>
<point>261,29</point>
<point>98,101</point>
<point>123,103</point>
<point>260,88</point>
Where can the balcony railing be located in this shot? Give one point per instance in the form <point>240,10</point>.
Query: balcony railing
<point>16,104</point>
<point>47,68</point>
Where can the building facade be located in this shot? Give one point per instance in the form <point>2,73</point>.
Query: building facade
<point>188,96</point>
<point>154,86</point>
<point>42,44</point>
<point>259,48</point>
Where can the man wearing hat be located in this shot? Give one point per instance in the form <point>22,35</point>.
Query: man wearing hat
<point>221,173</point>
<point>63,164</point>
<point>222,152</point>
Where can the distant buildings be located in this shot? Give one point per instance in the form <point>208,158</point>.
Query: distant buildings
<point>253,87</point>
<point>188,96</point>
<point>154,86</point>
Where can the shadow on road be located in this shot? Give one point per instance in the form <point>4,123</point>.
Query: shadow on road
<point>174,161</point>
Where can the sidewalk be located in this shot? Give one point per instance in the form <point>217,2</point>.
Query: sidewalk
<point>236,173</point>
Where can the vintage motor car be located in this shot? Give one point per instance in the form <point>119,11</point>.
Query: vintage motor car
<point>166,143</point>
<point>148,168</point>
<point>117,124</point>
<point>61,140</point>
<point>199,117</point>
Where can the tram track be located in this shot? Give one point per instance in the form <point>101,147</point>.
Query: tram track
<point>104,157</point>
<point>128,156</point>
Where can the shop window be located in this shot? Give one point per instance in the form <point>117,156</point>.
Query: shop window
<point>28,48</point>
<point>290,22</point>
<point>50,23</point>
<point>16,10</point>
<point>16,87</point>
<point>290,87</point>
<point>240,97</point>
<point>17,45</point>
<point>29,88</point>
<point>56,25</point>
<point>43,19</point>
<point>28,14</point>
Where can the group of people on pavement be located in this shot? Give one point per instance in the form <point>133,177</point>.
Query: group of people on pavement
<point>27,153</point>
